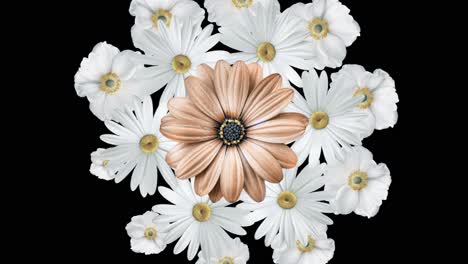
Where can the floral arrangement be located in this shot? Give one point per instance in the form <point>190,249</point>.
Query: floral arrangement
<point>231,130</point>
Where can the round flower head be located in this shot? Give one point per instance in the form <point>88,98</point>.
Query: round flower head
<point>272,40</point>
<point>317,250</point>
<point>110,79</point>
<point>231,132</point>
<point>229,12</point>
<point>330,28</point>
<point>233,252</point>
<point>378,88</point>
<point>146,233</point>
<point>360,184</point>
<point>292,208</point>
<point>99,167</point>
<point>175,53</point>
<point>197,221</point>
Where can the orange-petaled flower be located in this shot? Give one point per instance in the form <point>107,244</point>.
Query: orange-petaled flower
<point>231,132</point>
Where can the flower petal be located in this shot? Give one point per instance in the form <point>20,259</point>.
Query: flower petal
<point>222,72</point>
<point>185,131</point>
<point>238,89</point>
<point>281,152</point>
<point>253,185</point>
<point>206,181</point>
<point>347,200</point>
<point>198,159</point>
<point>262,162</point>
<point>184,109</point>
<point>204,97</point>
<point>268,106</point>
<point>284,128</point>
<point>206,74</point>
<point>232,175</point>
<point>176,154</point>
<point>216,194</point>
<point>262,89</point>
<point>256,75</point>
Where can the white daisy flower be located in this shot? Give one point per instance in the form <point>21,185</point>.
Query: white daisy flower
<point>292,207</point>
<point>197,221</point>
<point>99,166</point>
<point>176,51</point>
<point>110,79</point>
<point>148,13</point>
<point>138,145</point>
<point>359,182</point>
<point>234,252</point>
<point>317,250</point>
<point>228,12</point>
<point>333,121</point>
<point>146,233</point>
<point>379,92</point>
<point>330,27</point>
<point>271,39</point>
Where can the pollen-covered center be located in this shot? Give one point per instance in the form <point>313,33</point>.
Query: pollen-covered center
<point>231,132</point>
<point>242,3</point>
<point>181,64</point>
<point>319,120</point>
<point>266,51</point>
<point>226,260</point>
<point>357,180</point>
<point>110,83</point>
<point>201,212</point>
<point>150,233</point>
<point>163,15</point>
<point>318,28</point>
<point>368,97</point>
<point>287,200</point>
<point>307,248</point>
<point>149,143</point>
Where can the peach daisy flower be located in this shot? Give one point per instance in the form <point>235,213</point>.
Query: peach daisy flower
<point>231,131</point>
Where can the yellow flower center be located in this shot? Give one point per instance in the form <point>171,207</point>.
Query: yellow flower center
<point>150,233</point>
<point>357,180</point>
<point>104,163</point>
<point>231,132</point>
<point>242,3</point>
<point>310,245</point>
<point>318,28</point>
<point>266,51</point>
<point>226,260</point>
<point>201,212</point>
<point>149,143</point>
<point>287,200</point>
<point>110,83</point>
<point>368,97</point>
<point>163,15</point>
<point>181,64</point>
<point>319,120</point>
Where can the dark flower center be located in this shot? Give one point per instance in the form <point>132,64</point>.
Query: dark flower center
<point>231,131</point>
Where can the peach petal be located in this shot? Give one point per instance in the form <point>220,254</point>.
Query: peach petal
<point>263,89</point>
<point>206,181</point>
<point>238,89</point>
<point>253,185</point>
<point>283,128</point>
<point>204,98</point>
<point>186,132</point>
<point>198,159</point>
<point>268,107</point>
<point>262,162</point>
<point>216,194</point>
<point>232,175</point>
<point>183,109</point>
<point>177,153</point>
<point>281,152</point>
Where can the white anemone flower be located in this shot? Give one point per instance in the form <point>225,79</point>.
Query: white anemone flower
<point>234,252</point>
<point>330,27</point>
<point>196,221</point>
<point>271,39</point>
<point>379,92</point>
<point>359,182</point>
<point>99,166</point>
<point>175,52</point>
<point>228,12</point>
<point>146,235</point>
<point>138,145</point>
<point>291,208</point>
<point>148,13</point>
<point>110,79</point>
<point>317,250</point>
<point>334,123</point>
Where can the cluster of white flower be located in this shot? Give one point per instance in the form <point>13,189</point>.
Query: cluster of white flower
<point>308,36</point>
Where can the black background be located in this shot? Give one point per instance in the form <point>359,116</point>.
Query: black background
<point>86,217</point>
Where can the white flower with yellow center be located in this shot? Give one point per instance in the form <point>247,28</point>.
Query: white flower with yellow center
<point>330,27</point>
<point>145,233</point>
<point>233,252</point>
<point>378,88</point>
<point>148,13</point>
<point>197,221</point>
<point>99,166</point>
<point>110,79</point>
<point>334,125</point>
<point>271,39</point>
<point>175,52</point>
<point>359,182</point>
<point>317,250</point>
<point>228,12</point>
<point>291,208</point>
<point>138,145</point>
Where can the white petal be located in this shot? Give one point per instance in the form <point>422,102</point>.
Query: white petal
<point>347,200</point>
